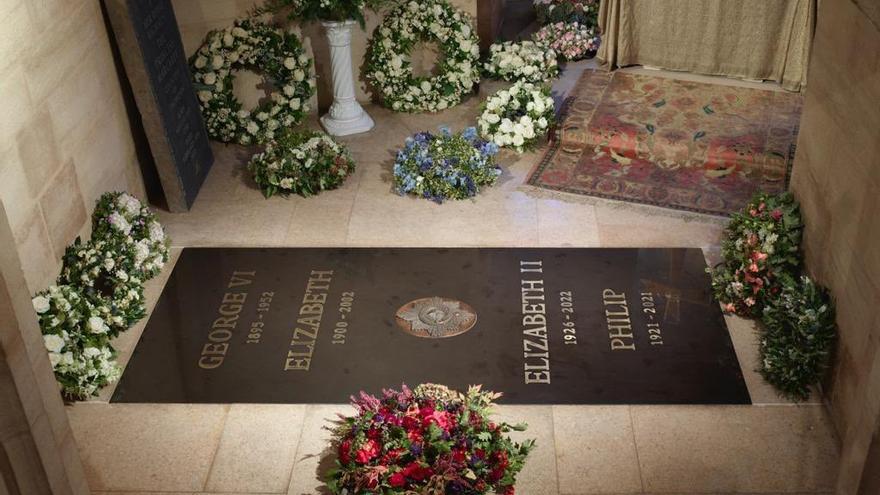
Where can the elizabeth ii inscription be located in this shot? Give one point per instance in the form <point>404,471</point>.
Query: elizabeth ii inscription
<point>555,326</point>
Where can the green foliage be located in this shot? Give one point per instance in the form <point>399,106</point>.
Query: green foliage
<point>798,338</point>
<point>323,10</point>
<point>584,12</point>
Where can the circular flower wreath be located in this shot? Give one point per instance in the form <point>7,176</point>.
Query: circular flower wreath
<point>250,44</point>
<point>303,163</point>
<point>125,219</point>
<point>447,166</point>
<point>430,440</point>
<point>76,335</point>
<point>517,117</point>
<point>390,72</point>
<point>104,272</point>
<point>523,61</point>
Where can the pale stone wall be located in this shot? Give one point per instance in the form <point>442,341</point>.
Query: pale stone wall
<point>197,17</point>
<point>64,132</point>
<point>39,450</point>
<point>64,140</point>
<point>837,179</point>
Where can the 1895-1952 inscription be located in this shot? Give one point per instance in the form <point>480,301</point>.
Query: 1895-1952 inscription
<point>542,325</point>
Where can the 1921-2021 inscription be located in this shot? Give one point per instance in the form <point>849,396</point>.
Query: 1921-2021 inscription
<point>552,326</point>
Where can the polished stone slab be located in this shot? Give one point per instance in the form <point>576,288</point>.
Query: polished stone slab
<point>544,326</point>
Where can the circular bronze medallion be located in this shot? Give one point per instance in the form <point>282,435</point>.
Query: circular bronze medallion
<point>436,317</point>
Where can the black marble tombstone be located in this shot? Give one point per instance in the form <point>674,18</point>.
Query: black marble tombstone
<point>155,64</point>
<point>543,326</point>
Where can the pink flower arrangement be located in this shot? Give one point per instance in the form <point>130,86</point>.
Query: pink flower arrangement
<point>427,440</point>
<point>761,252</point>
<point>572,41</point>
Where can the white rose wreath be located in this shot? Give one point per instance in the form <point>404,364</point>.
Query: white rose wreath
<point>517,117</point>
<point>388,67</point>
<point>250,44</point>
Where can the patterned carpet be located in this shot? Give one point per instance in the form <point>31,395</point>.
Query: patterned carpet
<point>666,142</point>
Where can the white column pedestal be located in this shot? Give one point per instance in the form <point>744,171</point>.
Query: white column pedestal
<point>346,116</point>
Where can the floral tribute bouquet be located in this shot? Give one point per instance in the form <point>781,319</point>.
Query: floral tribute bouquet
<point>277,55</point>
<point>121,217</point>
<point>760,252</point>
<point>323,10</point>
<point>107,277</point>
<point>584,12</point>
<point>100,293</point>
<point>799,335</point>
<point>448,166</point>
<point>517,117</point>
<point>522,61</point>
<point>76,335</point>
<point>388,65</point>
<point>304,163</point>
<point>572,41</point>
<point>426,441</point>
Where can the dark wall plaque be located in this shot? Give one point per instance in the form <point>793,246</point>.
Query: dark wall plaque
<point>155,64</point>
<point>543,326</point>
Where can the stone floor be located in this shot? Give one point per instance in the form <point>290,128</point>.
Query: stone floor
<point>772,446</point>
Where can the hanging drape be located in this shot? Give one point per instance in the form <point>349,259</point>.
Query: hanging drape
<point>756,39</point>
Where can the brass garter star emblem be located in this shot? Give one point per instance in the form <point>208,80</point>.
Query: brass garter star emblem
<point>436,317</point>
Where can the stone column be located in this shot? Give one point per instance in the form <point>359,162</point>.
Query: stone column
<point>346,116</point>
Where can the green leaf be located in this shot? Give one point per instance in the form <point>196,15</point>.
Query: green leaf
<point>650,128</point>
<point>699,134</point>
<point>708,110</point>
<point>658,104</point>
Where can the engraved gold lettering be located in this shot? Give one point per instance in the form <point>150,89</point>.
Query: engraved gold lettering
<point>537,377</point>
<point>222,329</point>
<point>534,322</point>
<point>620,335</point>
<point>210,362</point>
<point>305,334</point>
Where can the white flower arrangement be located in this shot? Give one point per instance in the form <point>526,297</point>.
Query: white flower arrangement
<point>100,293</point>
<point>388,67</point>
<point>517,117</point>
<point>122,217</point>
<point>250,44</point>
<point>75,334</point>
<point>522,61</point>
<point>105,274</point>
<point>303,163</point>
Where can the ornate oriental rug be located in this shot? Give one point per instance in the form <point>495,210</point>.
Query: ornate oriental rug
<point>666,142</point>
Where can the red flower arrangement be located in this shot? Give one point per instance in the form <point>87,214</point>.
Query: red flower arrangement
<point>761,253</point>
<point>430,440</point>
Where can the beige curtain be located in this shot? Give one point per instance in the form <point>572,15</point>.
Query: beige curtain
<point>756,39</point>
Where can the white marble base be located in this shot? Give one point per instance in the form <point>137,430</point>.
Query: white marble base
<point>336,127</point>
